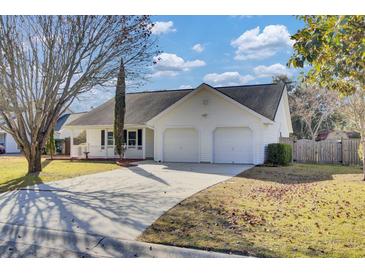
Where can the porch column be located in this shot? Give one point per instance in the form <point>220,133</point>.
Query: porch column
<point>106,142</point>
<point>72,143</point>
<point>144,142</point>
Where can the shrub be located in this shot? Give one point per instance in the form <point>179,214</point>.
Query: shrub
<point>279,154</point>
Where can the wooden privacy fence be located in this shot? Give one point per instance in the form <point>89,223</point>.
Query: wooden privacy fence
<point>327,151</point>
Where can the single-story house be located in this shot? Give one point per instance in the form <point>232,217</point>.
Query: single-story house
<point>337,135</point>
<point>8,142</point>
<point>207,124</point>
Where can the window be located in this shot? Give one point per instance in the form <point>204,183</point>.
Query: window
<point>110,138</point>
<point>80,139</point>
<point>139,137</point>
<point>102,139</point>
<point>132,136</point>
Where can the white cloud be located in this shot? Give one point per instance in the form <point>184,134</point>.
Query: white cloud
<point>166,73</point>
<point>169,64</point>
<point>227,78</point>
<point>163,27</point>
<point>255,45</point>
<point>185,87</point>
<point>198,48</point>
<point>269,71</point>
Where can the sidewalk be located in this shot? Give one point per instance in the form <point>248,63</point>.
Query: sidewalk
<point>79,245</point>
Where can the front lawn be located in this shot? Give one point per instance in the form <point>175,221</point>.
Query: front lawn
<point>297,211</point>
<point>13,171</point>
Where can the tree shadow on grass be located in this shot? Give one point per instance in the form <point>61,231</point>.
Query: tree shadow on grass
<point>27,180</point>
<point>300,173</point>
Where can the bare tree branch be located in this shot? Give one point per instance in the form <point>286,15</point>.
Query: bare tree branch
<point>48,61</point>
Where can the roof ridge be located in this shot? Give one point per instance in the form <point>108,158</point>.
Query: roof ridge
<point>253,85</point>
<point>162,90</point>
<point>186,89</point>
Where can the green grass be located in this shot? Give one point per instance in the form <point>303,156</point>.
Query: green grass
<point>13,171</point>
<point>295,211</point>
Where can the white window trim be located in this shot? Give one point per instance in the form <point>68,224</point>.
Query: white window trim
<point>136,139</point>
<point>107,139</point>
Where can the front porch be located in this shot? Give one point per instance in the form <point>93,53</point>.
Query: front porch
<point>99,143</point>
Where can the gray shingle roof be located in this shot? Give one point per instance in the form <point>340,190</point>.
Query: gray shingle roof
<point>263,99</point>
<point>143,106</point>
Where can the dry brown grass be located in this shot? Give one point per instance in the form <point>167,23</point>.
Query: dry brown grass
<point>295,211</point>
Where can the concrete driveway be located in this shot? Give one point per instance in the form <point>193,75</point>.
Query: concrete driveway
<point>119,203</point>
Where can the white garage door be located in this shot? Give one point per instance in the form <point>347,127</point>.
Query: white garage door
<point>181,145</point>
<point>233,145</point>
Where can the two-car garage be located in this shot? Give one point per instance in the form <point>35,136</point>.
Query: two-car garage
<point>229,145</point>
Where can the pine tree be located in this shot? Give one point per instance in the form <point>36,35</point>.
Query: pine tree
<point>119,111</point>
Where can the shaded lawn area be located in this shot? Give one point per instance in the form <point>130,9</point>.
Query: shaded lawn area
<point>296,211</point>
<point>13,171</point>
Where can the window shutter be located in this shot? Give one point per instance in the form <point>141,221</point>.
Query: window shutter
<point>125,136</point>
<point>102,138</point>
<point>139,137</point>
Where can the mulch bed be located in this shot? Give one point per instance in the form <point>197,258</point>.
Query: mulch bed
<point>122,163</point>
<point>127,162</point>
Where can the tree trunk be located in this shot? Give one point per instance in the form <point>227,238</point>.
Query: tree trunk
<point>34,161</point>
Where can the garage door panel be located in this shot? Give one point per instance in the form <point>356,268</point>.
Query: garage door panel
<point>181,145</point>
<point>233,145</point>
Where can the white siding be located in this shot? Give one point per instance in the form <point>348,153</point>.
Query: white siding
<point>149,143</point>
<point>281,127</point>
<point>93,138</point>
<point>93,144</point>
<point>10,144</point>
<point>281,118</point>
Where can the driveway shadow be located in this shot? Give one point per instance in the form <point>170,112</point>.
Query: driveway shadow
<point>142,172</point>
<point>81,214</point>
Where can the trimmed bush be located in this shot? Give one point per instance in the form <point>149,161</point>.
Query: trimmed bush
<point>279,154</point>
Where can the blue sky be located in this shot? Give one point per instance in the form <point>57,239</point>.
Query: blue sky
<point>218,50</point>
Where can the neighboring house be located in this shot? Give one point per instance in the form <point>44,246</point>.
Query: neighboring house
<point>8,142</point>
<point>62,134</point>
<point>337,135</point>
<point>214,125</point>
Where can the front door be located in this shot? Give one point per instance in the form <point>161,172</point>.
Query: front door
<point>110,144</point>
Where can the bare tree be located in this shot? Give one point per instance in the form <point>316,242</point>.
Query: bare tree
<point>353,108</point>
<point>313,106</point>
<point>48,61</point>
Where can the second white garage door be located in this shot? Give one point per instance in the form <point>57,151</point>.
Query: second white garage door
<point>233,145</point>
<point>181,145</point>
